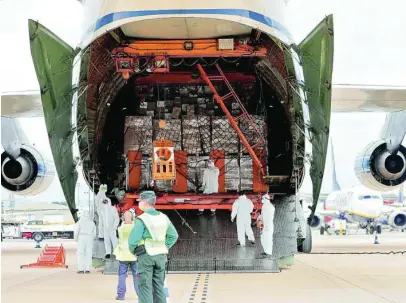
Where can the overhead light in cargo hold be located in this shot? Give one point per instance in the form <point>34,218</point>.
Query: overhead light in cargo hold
<point>161,64</point>
<point>226,44</point>
<point>188,45</point>
<point>125,66</point>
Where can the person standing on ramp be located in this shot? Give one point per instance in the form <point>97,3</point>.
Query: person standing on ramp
<point>150,240</point>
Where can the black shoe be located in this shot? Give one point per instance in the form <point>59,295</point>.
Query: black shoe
<point>264,254</point>
<point>87,272</point>
<point>80,272</point>
<point>119,299</point>
<point>212,213</point>
<point>107,256</point>
<point>101,239</point>
<point>252,242</point>
<point>199,213</point>
<point>238,244</point>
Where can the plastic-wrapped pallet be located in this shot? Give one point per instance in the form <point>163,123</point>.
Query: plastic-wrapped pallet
<point>171,132</point>
<point>232,174</point>
<point>196,135</point>
<point>138,134</point>
<point>224,136</point>
<point>246,173</point>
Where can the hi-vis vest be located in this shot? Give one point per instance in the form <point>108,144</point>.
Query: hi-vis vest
<point>157,227</point>
<point>122,250</point>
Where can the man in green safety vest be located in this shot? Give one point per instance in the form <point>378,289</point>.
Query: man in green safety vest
<point>152,236</point>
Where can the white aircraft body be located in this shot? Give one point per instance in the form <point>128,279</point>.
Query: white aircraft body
<point>79,88</point>
<point>363,206</point>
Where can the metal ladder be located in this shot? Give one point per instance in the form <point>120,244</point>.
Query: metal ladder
<point>233,120</point>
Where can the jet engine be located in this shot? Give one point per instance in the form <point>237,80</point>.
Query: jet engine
<point>316,222</point>
<point>397,220</point>
<point>378,169</point>
<point>28,174</point>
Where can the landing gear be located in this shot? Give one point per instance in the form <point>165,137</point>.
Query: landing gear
<point>306,245</point>
<point>373,228</point>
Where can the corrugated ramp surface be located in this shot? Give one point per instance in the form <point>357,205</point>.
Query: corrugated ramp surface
<point>213,248</point>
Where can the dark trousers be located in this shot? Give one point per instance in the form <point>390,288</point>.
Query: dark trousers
<point>122,276</point>
<point>151,278</point>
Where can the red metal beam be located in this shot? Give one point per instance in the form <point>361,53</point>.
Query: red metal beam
<point>179,77</point>
<point>189,201</point>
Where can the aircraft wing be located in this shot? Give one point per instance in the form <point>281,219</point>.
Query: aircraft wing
<point>351,98</point>
<point>328,213</point>
<point>345,98</point>
<point>23,104</point>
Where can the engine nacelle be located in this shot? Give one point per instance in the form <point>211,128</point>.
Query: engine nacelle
<point>397,220</point>
<point>29,174</point>
<point>316,222</point>
<point>379,170</point>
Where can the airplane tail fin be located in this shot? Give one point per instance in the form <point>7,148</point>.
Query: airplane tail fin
<point>400,195</point>
<point>336,186</point>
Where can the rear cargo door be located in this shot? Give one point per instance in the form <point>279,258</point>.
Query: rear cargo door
<point>53,62</point>
<point>316,54</point>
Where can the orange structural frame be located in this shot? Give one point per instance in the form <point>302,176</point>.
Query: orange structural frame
<point>167,201</point>
<point>176,48</point>
<point>218,157</point>
<point>180,185</point>
<point>258,181</point>
<point>134,167</point>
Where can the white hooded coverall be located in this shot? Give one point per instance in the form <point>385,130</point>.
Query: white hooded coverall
<point>242,208</point>
<point>101,195</point>
<point>84,233</point>
<point>267,215</point>
<point>210,180</point>
<point>111,222</point>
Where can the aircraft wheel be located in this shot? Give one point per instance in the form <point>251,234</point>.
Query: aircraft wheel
<point>322,230</point>
<point>306,246</point>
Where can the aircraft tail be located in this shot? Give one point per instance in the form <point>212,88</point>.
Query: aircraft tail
<point>335,185</point>
<point>400,195</point>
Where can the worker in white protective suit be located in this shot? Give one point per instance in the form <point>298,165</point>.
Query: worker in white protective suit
<point>210,181</point>
<point>120,194</point>
<point>84,233</point>
<point>101,195</point>
<point>242,209</point>
<point>267,215</point>
<point>110,225</point>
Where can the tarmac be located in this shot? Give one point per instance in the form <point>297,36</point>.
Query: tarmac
<point>331,278</point>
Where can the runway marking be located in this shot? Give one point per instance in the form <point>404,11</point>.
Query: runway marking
<point>200,289</point>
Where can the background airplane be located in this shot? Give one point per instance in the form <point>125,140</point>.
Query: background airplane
<point>360,205</point>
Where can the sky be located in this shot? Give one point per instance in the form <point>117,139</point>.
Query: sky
<point>369,49</point>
